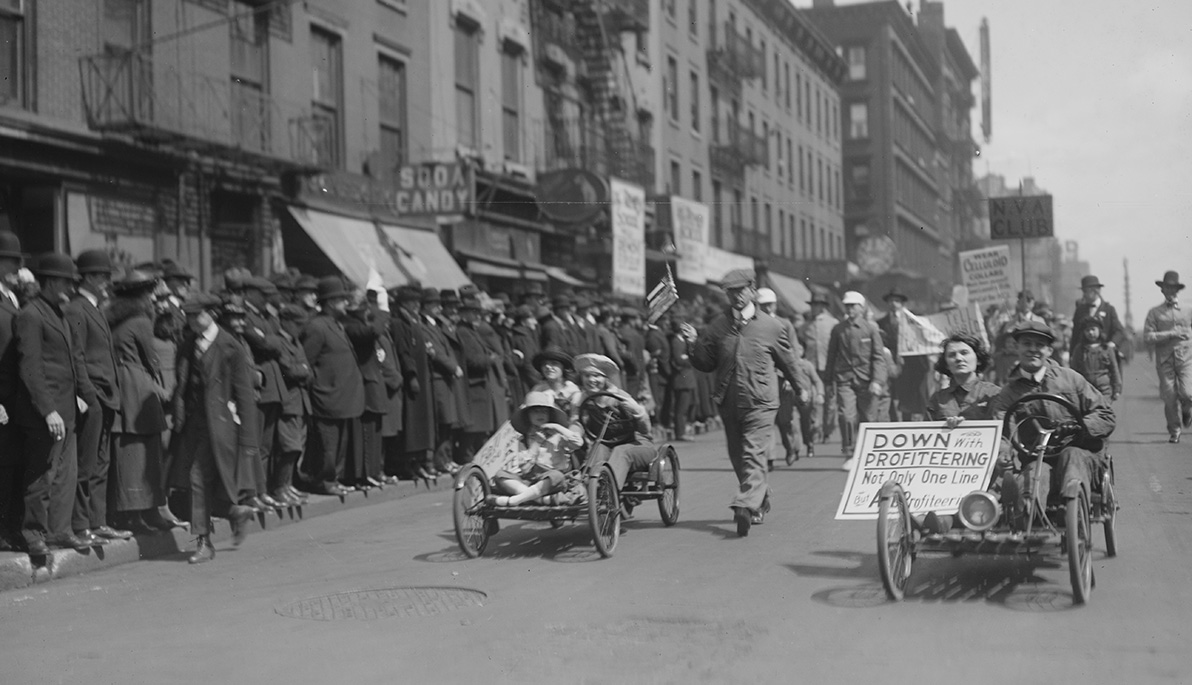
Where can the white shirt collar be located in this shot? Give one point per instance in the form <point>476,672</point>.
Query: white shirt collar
<point>1037,376</point>
<point>90,297</point>
<point>210,333</point>
<point>747,313</point>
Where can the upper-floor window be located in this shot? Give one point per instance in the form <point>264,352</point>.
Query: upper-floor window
<point>672,88</point>
<point>14,60</point>
<point>467,84</point>
<point>697,186</point>
<point>714,111</point>
<point>855,54</point>
<point>326,53</point>
<point>787,83</point>
<point>858,120</point>
<point>693,17</point>
<point>762,53</point>
<point>671,8</point>
<point>695,101</point>
<point>391,84</point>
<point>676,180</point>
<point>511,94</point>
<point>249,40</point>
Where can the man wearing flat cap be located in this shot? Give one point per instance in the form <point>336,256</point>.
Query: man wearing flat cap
<point>90,324</point>
<point>815,335</point>
<point>746,352</point>
<point>1083,454</point>
<point>857,370</point>
<point>53,388</point>
<point>1091,307</point>
<point>1168,330</point>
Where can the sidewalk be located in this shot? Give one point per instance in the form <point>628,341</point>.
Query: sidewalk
<point>19,570</point>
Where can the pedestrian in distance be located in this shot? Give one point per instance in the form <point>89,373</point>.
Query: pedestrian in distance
<point>747,352</point>
<point>789,431</point>
<point>815,335</point>
<point>1098,361</point>
<point>1091,307</point>
<point>857,371</point>
<point>1168,331</point>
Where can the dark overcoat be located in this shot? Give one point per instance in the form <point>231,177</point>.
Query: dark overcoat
<point>487,408</point>
<point>95,340</point>
<point>337,388</point>
<point>418,410</point>
<point>139,373</point>
<point>50,367</point>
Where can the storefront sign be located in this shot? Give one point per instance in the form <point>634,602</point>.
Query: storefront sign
<point>689,221</point>
<point>935,465</point>
<point>628,209</point>
<point>417,189</point>
<point>986,274</point>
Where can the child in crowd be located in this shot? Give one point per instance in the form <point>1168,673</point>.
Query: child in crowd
<point>1097,361</point>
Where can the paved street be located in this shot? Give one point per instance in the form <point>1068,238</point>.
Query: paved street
<point>799,600</point>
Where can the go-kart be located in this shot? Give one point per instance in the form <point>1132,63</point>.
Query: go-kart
<point>1005,523</point>
<point>590,487</point>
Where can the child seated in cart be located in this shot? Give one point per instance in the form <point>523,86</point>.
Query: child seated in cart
<point>543,453</point>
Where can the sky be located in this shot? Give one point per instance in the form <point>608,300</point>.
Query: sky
<point>1094,100</point>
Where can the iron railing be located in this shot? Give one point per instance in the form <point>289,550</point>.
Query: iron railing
<point>575,143</point>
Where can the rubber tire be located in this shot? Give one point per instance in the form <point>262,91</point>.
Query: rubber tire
<point>1078,538</point>
<point>604,511</point>
<point>668,502</point>
<point>895,566</point>
<point>1109,514</point>
<point>470,529</point>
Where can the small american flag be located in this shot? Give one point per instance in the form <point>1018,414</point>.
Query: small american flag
<point>662,297</point>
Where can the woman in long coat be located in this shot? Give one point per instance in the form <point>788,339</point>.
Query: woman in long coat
<point>136,483</point>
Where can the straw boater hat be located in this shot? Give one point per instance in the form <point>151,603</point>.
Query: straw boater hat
<point>521,418</point>
<point>599,364</point>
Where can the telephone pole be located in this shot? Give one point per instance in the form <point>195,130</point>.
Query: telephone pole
<point>1126,285</point>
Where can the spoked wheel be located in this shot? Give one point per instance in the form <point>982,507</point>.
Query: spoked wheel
<point>895,541</point>
<point>1079,539</point>
<point>1109,509</point>
<point>604,511</point>
<point>668,482</point>
<point>471,488</point>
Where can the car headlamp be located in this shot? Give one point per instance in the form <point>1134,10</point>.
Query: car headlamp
<point>979,511</point>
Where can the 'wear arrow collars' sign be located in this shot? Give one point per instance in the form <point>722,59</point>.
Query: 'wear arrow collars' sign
<point>1020,217</point>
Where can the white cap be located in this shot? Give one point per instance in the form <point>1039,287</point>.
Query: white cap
<point>766,296</point>
<point>853,297</point>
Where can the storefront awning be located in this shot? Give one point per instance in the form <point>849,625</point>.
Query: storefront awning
<point>501,267</point>
<point>794,292</point>
<point>564,277</point>
<point>422,255</point>
<point>352,245</point>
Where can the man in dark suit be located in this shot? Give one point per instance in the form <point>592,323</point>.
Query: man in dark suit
<point>216,428</point>
<point>262,333</point>
<point>295,407</point>
<point>12,502</point>
<point>90,324</point>
<point>1091,307</point>
<point>336,390</point>
<point>634,342</point>
<point>417,440</point>
<point>746,351</point>
<point>53,388</point>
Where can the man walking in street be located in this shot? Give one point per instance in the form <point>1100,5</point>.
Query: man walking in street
<point>1168,330</point>
<point>788,430</point>
<point>1092,308</point>
<point>90,325</point>
<point>857,368</point>
<point>815,336</point>
<point>747,352</point>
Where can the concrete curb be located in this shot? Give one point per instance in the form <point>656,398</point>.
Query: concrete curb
<point>18,570</point>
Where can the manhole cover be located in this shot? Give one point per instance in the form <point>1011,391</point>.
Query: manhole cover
<point>397,602</point>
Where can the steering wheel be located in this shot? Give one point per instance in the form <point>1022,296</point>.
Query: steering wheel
<point>1013,423</point>
<point>605,421</point>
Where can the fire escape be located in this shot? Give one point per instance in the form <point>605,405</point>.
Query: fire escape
<point>732,61</point>
<point>604,137</point>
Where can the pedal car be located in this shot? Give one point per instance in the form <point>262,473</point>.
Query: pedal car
<point>996,523</point>
<point>591,488</point>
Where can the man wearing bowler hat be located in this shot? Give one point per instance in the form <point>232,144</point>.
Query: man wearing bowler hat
<point>12,507</point>
<point>53,388</point>
<point>746,352</point>
<point>1091,307</point>
<point>90,324</point>
<point>1168,330</point>
<point>336,391</point>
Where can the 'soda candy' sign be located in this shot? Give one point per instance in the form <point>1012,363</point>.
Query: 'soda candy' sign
<point>1020,217</point>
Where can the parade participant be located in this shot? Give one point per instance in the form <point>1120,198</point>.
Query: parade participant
<point>12,508</point>
<point>94,429</point>
<point>336,391</point>
<point>53,388</point>
<point>857,371</point>
<point>543,454</point>
<point>811,410</point>
<point>1004,353</point>
<point>552,367</point>
<point>1168,331</point>
<point>136,475</point>
<point>680,379</point>
<point>1092,307</point>
<point>416,442</point>
<point>815,336</point>
<point>295,406</point>
<point>1084,456</point>
<point>746,352</point>
<point>908,375</point>
<point>215,425</point>
<point>789,431</point>
<point>1097,361</point>
<point>598,374</point>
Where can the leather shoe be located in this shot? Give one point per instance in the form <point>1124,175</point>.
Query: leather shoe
<point>269,502</point>
<point>744,520</point>
<point>38,548</point>
<point>1174,438</point>
<point>68,541</point>
<point>295,493</point>
<point>239,517</point>
<point>757,519</point>
<point>204,551</point>
<point>109,533</point>
<point>88,537</point>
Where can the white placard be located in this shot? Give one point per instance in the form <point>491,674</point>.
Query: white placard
<point>629,238</point>
<point>935,465</point>
<point>986,275</point>
<point>689,221</point>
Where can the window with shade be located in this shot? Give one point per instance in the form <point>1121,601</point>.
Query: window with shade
<point>326,52</point>
<point>14,61</point>
<point>249,42</point>
<point>467,83</point>
<point>671,87</point>
<point>858,120</point>
<point>511,94</point>
<point>695,101</point>
<point>391,84</point>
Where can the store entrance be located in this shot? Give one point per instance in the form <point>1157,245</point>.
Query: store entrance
<point>31,212</point>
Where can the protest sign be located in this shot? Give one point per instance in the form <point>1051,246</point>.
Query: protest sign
<point>986,275</point>
<point>935,465</point>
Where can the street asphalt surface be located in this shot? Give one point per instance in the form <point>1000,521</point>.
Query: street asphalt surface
<point>382,594</point>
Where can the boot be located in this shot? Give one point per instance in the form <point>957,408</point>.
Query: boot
<point>239,517</point>
<point>204,551</point>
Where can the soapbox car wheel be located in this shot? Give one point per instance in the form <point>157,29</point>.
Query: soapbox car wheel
<point>895,540</point>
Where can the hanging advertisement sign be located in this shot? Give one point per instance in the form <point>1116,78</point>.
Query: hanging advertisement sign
<point>628,218</point>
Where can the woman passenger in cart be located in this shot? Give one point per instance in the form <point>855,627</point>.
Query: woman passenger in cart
<point>553,364</point>
<point>963,361</point>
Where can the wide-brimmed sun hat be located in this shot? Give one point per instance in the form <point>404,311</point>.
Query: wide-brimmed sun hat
<point>544,400</point>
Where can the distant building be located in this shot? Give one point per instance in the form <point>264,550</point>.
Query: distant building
<point>1045,277</point>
